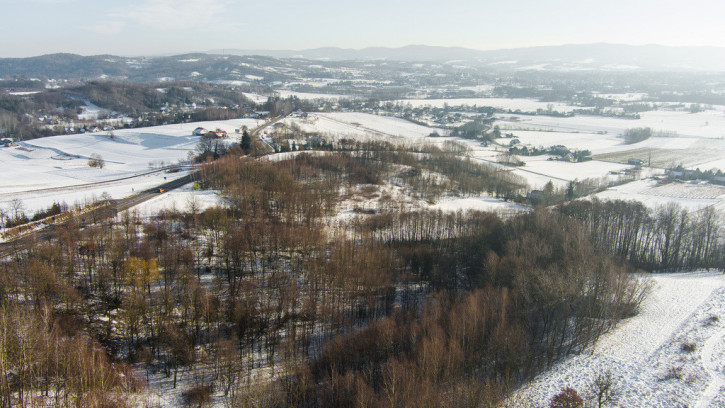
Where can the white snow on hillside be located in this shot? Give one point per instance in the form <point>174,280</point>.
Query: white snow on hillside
<point>624,97</point>
<point>361,126</point>
<point>708,124</point>
<point>87,193</point>
<point>715,164</point>
<point>539,170</point>
<point>646,355</point>
<point>41,171</point>
<point>256,98</point>
<point>182,199</point>
<point>384,124</point>
<point>479,203</point>
<point>91,111</point>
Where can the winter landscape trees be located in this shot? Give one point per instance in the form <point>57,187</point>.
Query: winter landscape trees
<point>665,239</point>
<point>270,300</point>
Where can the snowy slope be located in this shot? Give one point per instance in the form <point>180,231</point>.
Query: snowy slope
<point>49,169</point>
<point>645,353</point>
<point>182,199</point>
<point>361,126</point>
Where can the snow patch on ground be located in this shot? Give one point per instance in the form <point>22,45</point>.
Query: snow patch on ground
<point>182,199</point>
<point>256,98</point>
<point>478,203</point>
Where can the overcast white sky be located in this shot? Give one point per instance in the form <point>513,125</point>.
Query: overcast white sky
<point>156,27</point>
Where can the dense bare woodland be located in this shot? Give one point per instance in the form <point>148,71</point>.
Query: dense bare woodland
<point>271,302</point>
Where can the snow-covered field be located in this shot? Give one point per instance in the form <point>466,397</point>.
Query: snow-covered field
<point>707,124</point>
<point>691,139</point>
<point>41,171</point>
<point>182,199</point>
<point>570,171</point>
<point>672,354</point>
<point>87,193</point>
<point>92,111</point>
<point>692,196</point>
<point>596,143</point>
<point>256,98</point>
<point>361,126</point>
<point>478,203</point>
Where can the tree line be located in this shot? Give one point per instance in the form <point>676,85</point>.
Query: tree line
<point>667,238</point>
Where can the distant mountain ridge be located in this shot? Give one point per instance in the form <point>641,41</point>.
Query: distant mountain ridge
<point>406,53</point>
<point>244,65</point>
<point>646,57</point>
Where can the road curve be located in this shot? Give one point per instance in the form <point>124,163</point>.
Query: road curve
<point>13,245</point>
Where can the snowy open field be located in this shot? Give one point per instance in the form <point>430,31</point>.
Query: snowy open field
<point>256,98</point>
<point>562,170</point>
<point>526,105</point>
<point>361,126</point>
<point>182,199</point>
<point>691,139</point>
<point>41,171</point>
<point>477,203</point>
<point>692,196</point>
<point>707,124</point>
<point>596,143</point>
<point>704,154</point>
<point>645,353</point>
<point>539,170</point>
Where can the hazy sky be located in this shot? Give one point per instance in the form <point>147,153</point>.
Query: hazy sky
<point>155,27</point>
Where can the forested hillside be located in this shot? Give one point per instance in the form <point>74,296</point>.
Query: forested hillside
<point>269,302</point>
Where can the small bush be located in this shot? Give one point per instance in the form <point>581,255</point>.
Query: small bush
<point>674,372</point>
<point>712,319</point>
<point>198,395</point>
<point>567,398</point>
<point>688,347</point>
<point>96,161</point>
